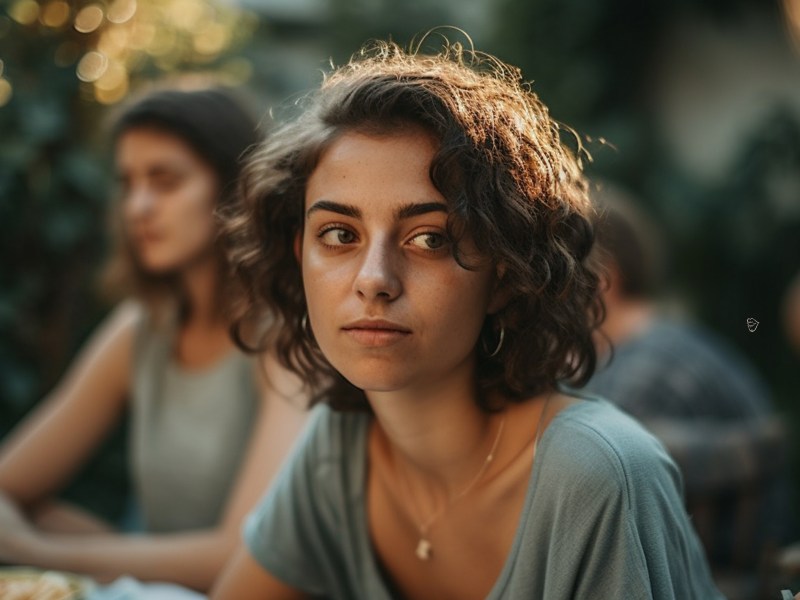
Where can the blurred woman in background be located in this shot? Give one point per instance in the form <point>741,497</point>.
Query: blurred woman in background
<point>209,425</point>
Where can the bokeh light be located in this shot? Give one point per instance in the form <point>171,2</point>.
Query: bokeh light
<point>113,43</point>
<point>130,35</point>
<point>55,14</point>
<point>92,66</point>
<point>5,91</point>
<point>24,12</point>
<point>112,85</point>
<point>121,11</point>
<point>89,18</point>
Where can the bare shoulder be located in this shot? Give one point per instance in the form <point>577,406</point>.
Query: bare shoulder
<point>117,333</point>
<point>105,360</point>
<point>120,324</point>
<point>534,416</point>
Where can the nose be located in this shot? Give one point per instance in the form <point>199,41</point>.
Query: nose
<point>378,277</point>
<point>139,202</point>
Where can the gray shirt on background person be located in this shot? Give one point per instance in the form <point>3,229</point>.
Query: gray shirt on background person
<point>189,432</point>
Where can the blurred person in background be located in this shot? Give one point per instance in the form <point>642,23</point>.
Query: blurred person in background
<point>791,314</point>
<point>697,394</point>
<point>210,425</point>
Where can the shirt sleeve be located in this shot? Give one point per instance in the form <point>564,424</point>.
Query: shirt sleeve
<point>617,522</point>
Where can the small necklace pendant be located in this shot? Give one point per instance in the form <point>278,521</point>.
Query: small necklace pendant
<point>424,549</point>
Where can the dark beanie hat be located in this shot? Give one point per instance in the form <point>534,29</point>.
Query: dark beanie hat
<point>211,121</point>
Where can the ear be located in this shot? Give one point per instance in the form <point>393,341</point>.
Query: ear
<point>611,284</point>
<point>500,294</point>
<point>298,247</point>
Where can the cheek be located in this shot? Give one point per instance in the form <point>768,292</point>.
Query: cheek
<point>463,294</point>
<point>461,305</point>
<point>323,289</point>
<point>197,205</point>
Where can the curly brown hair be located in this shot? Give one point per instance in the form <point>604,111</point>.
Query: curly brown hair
<point>511,185</point>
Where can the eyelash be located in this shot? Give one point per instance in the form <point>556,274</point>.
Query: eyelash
<point>346,230</point>
<point>445,241</point>
<point>333,227</point>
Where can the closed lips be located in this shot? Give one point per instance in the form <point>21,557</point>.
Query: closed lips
<point>377,326</point>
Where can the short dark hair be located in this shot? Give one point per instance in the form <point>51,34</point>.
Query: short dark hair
<point>511,185</point>
<point>627,238</point>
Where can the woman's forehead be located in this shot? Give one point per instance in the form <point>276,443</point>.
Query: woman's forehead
<point>373,170</point>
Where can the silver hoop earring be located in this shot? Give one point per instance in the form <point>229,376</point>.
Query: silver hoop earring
<point>499,342</point>
<point>304,326</point>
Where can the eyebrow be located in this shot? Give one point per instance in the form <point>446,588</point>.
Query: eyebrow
<point>422,208</point>
<point>404,212</point>
<point>157,170</point>
<point>348,210</point>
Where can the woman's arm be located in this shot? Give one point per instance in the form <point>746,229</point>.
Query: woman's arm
<point>192,558</point>
<point>244,579</point>
<point>282,416</point>
<point>45,450</point>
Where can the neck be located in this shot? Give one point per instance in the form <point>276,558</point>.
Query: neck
<point>200,283</point>
<point>437,435</point>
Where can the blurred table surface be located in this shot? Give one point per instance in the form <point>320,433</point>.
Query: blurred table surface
<point>127,588</point>
<point>123,588</point>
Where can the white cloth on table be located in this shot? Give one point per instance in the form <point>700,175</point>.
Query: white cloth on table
<point>127,588</point>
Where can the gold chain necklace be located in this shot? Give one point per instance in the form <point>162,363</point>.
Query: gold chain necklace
<point>424,547</point>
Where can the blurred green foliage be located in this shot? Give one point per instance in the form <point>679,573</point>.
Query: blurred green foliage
<point>52,204</point>
<point>55,186</point>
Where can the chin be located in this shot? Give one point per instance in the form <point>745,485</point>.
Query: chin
<point>158,268</point>
<point>376,382</point>
<point>163,263</point>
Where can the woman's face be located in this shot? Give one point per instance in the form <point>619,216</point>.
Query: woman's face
<point>168,196</point>
<point>388,304</point>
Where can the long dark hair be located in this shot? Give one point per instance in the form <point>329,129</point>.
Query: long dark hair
<point>220,129</point>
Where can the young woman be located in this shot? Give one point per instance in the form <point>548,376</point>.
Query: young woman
<point>209,424</point>
<point>424,236</point>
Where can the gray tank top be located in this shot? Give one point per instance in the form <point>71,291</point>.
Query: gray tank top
<point>189,432</point>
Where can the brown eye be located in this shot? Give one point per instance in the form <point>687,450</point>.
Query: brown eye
<point>430,240</point>
<point>337,236</point>
<point>166,182</point>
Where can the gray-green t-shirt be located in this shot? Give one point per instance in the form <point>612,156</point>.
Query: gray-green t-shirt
<point>603,516</point>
